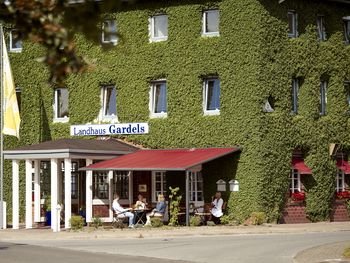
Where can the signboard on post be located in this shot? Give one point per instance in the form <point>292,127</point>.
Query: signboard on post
<point>109,129</point>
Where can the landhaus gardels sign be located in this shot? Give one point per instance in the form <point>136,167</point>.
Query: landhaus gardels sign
<point>109,129</point>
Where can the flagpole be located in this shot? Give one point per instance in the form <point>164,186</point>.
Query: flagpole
<point>1,132</point>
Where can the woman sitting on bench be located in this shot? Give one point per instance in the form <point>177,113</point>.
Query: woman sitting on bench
<point>158,211</point>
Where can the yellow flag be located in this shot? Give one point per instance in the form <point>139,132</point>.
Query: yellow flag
<point>11,113</point>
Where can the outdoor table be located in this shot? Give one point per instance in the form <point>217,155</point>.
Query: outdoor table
<point>140,214</point>
<point>203,215</point>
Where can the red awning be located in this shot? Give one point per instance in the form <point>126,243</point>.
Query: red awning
<point>344,166</point>
<point>162,160</point>
<point>298,164</point>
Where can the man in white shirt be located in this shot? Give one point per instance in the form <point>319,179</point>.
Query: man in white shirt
<point>122,212</point>
<point>217,203</point>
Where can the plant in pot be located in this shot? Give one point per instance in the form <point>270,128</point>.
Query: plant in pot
<point>47,208</point>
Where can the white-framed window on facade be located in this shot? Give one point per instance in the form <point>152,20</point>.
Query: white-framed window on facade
<point>16,42</point>
<point>211,96</point>
<point>109,32</point>
<point>295,184</point>
<point>346,23</point>
<point>121,184</point>
<point>210,22</point>
<point>108,103</point>
<point>100,185</point>
<point>158,28</point>
<point>340,181</point>
<point>74,179</point>
<point>295,95</point>
<point>292,24</point>
<point>19,98</point>
<point>158,99</point>
<point>61,112</point>
<point>196,188</point>
<point>158,184</point>
<point>321,28</point>
<point>323,97</point>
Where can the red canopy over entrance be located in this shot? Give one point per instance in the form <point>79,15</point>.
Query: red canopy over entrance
<point>162,160</point>
<point>344,166</point>
<point>298,164</point>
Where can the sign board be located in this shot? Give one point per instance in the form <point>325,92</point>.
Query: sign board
<point>109,129</point>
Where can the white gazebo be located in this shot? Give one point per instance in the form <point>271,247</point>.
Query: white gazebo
<point>57,152</point>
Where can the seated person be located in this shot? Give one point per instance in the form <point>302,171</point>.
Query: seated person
<point>140,204</point>
<point>122,212</point>
<point>158,211</point>
<point>216,210</point>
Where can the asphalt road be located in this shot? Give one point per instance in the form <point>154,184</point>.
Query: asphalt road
<point>22,253</point>
<point>264,248</point>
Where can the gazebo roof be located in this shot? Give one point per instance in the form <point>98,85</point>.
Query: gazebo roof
<point>71,148</point>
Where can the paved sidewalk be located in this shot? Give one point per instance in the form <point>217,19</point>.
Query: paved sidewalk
<point>330,253</point>
<point>89,233</point>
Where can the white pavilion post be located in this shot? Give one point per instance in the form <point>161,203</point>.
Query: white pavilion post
<point>88,193</point>
<point>110,196</point>
<point>15,194</point>
<point>67,191</point>
<point>29,206</point>
<point>54,197</point>
<point>36,191</point>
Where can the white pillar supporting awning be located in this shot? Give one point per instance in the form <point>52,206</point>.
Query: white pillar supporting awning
<point>29,192</point>
<point>88,193</point>
<point>67,192</point>
<point>37,205</point>
<point>15,194</point>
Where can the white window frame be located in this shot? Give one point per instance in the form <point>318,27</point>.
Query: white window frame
<point>347,90</point>
<point>115,41</point>
<point>295,188</point>
<point>194,182</point>
<point>204,23</point>
<point>55,109</point>
<point>152,98</point>
<point>321,31</point>
<point>163,186</point>
<point>340,181</point>
<point>295,33</point>
<point>151,24</point>
<point>105,183</point>
<point>14,50</point>
<point>205,97</point>
<point>125,174</point>
<point>346,20</point>
<point>323,97</point>
<point>107,118</point>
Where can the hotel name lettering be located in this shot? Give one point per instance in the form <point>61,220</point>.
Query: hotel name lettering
<point>109,129</point>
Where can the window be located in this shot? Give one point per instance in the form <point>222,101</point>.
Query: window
<point>74,179</point>
<point>121,184</point>
<point>211,96</point>
<point>347,90</point>
<point>196,187</point>
<point>100,185</point>
<point>61,113</point>
<point>15,41</point>
<point>210,23</point>
<point>347,30</point>
<point>158,99</point>
<point>321,28</point>
<point>109,32</point>
<point>109,102</point>
<point>19,97</point>
<point>295,95</point>
<point>159,185</point>
<point>323,97</point>
<point>158,26</point>
<point>269,105</point>
<point>292,24</point>
<point>295,181</point>
<point>340,181</point>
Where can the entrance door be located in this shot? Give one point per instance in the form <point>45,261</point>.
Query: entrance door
<point>142,184</point>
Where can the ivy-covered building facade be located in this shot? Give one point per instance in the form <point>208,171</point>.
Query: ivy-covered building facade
<point>268,76</point>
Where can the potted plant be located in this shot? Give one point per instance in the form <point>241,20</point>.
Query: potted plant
<point>47,208</point>
<point>298,196</point>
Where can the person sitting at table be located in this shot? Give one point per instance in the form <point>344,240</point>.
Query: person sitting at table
<point>140,204</point>
<point>122,212</point>
<point>158,211</point>
<point>216,210</point>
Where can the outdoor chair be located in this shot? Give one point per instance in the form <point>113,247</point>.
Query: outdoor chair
<point>119,220</point>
